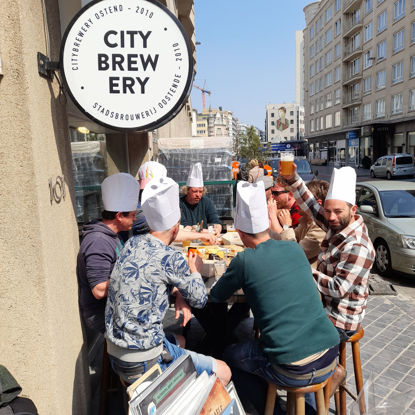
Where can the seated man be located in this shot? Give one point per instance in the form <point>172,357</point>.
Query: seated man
<point>196,207</point>
<point>298,344</point>
<point>308,234</point>
<point>147,271</point>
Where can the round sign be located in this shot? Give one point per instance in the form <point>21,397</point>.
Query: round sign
<point>127,64</point>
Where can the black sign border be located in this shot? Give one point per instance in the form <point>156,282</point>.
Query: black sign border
<point>177,107</point>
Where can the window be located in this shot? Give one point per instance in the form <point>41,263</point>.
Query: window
<point>317,46</point>
<point>329,120</point>
<point>355,41</point>
<point>398,9</point>
<point>321,63</point>
<point>368,6</point>
<point>367,112</point>
<point>397,72</point>
<point>337,118</point>
<point>381,79</point>
<point>381,50</point>
<point>367,59</point>
<point>337,96</point>
<point>291,113</point>
<point>311,70</point>
<point>356,16</point>
<point>398,40</point>
<point>328,79</point>
<point>355,66</point>
<point>380,107</point>
<point>311,51</point>
<point>337,27</point>
<point>321,43</point>
<point>354,115</point>
<point>329,102</point>
<point>412,32</point>
<point>337,74</point>
<point>328,58</point>
<point>337,5</point>
<point>382,22</point>
<point>329,13</point>
<point>329,36</point>
<point>312,89</point>
<point>311,125</point>
<point>412,99</point>
<point>312,109</point>
<point>412,67</point>
<point>337,51</point>
<point>367,85</point>
<point>367,35</point>
<point>272,131</point>
<point>396,104</point>
<point>311,33</point>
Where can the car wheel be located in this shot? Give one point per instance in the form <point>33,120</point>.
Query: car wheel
<point>383,258</point>
<point>388,175</point>
<point>372,174</point>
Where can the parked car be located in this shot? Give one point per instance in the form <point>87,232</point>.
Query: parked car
<point>388,209</point>
<point>393,165</point>
<point>303,168</point>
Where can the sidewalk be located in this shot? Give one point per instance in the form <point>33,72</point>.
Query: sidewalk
<point>387,349</point>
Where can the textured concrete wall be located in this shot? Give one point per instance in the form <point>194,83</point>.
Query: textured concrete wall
<point>41,337</point>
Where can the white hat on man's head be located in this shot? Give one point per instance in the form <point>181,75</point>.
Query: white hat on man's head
<point>160,203</point>
<point>150,170</point>
<point>120,193</point>
<point>343,185</point>
<point>195,178</point>
<point>251,214</point>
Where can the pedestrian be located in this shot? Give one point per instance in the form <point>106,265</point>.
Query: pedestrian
<point>255,172</point>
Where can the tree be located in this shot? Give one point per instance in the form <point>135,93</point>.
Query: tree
<point>250,145</point>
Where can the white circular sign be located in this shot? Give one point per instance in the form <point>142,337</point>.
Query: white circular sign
<point>127,64</point>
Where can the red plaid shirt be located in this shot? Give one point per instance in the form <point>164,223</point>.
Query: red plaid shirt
<point>343,264</point>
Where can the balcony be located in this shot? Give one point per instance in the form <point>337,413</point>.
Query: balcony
<point>351,99</point>
<point>351,76</point>
<point>351,52</point>
<point>352,26</point>
<point>351,121</point>
<point>351,5</point>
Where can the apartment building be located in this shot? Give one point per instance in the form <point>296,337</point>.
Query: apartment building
<point>243,128</point>
<point>359,64</point>
<point>284,122</point>
<point>216,122</point>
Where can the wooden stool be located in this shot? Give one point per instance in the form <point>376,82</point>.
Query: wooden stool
<point>357,366</point>
<point>296,400</point>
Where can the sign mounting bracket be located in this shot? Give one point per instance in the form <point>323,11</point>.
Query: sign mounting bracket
<point>45,66</point>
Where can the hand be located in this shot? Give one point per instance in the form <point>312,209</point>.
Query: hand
<point>272,206</point>
<point>284,217</point>
<point>188,228</point>
<point>181,306</point>
<point>208,238</point>
<point>195,263</point>
<point>217,228</point>
<point>292,176</point>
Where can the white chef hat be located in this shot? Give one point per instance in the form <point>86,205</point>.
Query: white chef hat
<point>343,185</point>
<point>251,214</point>
<point>120,193</point>
<point>150,170</point>
<point>160,203</point>
<point>195,178</point>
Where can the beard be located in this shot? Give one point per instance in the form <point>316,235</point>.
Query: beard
<point>342,223</point>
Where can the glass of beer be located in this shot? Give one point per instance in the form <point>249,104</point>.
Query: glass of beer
<point>186,243</point>
<point>287,161</point>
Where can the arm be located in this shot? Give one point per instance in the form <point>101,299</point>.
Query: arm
<point>312,241</point>
<point>181,306</point>
<point>274,224</point>
<point>229,282</point>
<point>352,269</point>
<point>100,290</point>
<point>212,215</point>
<point>191,235</point>
<point>284,217</point>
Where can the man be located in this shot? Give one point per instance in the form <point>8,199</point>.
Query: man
<point>138,296</point>
<point>100,246</point>
<point>308,234</point>
<point>285,200</point>
<point>298,345</point>
<point>268,184</point>
<point>347,253</point>
<point>196,207</point>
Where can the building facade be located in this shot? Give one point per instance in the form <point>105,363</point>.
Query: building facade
<point>216,122</point>
<point>299,67</point>
<point>52,161</point>
<point>284,122</point>
<point>359,63</point>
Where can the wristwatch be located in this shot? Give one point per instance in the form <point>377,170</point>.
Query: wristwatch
<point>285,227</point>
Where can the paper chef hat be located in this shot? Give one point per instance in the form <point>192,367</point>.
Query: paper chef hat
<point>150,170</point>
<point>120,193</point>
<point>160,203</point>
<point>343,185</point>
<point>251,207</point>
<point>195,178</point>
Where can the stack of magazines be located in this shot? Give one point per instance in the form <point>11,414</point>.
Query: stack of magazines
<point>178,390</point>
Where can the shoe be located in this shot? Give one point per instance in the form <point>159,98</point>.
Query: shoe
<point>337,378</point>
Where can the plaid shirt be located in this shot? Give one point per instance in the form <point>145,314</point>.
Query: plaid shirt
<point>343,264</point>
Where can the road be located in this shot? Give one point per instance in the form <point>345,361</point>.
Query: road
<point>403,284</point>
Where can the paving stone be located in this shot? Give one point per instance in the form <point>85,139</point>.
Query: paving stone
<point>394,374</point>
<point>410,380</point>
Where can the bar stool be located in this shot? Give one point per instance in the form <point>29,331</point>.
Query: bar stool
<point>296,399</point>
<point>357,366</point>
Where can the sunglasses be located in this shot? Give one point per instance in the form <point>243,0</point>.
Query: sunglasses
<point>278,192</point>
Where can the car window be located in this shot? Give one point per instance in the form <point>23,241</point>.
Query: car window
<point>365,197</point>
<point>398,203</point>
<point>404,160</point>
<point>384,162</point>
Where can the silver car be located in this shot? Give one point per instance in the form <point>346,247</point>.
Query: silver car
<point>388,209</point>
<point>393,165</point>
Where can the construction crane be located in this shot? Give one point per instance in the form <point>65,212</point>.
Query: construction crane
<point>204,91</point>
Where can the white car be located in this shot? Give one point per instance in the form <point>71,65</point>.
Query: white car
<point>388,209</point>
<point>393,165</point>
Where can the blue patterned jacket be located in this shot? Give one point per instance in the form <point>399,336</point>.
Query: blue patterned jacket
<point>138,294</point>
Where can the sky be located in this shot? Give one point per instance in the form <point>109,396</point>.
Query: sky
<point>247,54</point>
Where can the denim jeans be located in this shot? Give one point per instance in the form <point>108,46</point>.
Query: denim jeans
<point>345,334</point>
<point>129,371</point>
<point>250,358</point>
